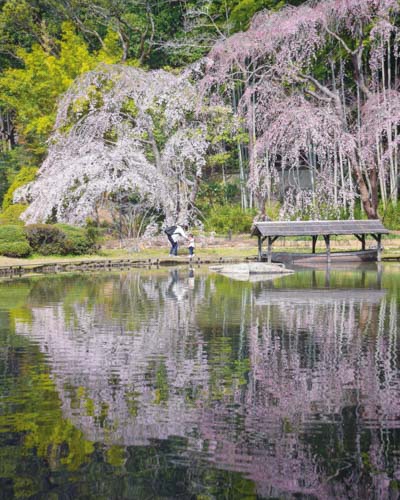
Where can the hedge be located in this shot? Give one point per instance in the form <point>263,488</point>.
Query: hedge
<point>46,239</point>
<point>79,240</point>
<point>12,233</point>
<point>15,248</point>
<point>13,242</point>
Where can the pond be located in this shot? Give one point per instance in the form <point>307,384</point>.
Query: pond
<point>180,383</point>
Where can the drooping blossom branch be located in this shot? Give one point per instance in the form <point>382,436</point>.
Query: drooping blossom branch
<point>320,93</point>
<point>121,130</point>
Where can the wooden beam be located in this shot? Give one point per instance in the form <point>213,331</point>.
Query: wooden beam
<point>361,238</point>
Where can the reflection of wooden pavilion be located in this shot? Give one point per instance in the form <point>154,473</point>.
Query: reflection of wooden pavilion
<point>318,296</point>
<point>271,231</point>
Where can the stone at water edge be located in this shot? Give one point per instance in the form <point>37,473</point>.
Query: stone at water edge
<point>252,268</point>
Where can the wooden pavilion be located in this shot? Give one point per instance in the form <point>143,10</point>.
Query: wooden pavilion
<point>271,231</point>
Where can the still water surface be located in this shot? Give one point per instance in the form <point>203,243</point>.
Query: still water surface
<point>184,384</point>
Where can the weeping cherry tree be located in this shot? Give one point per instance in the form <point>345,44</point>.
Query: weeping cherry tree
<point>319,92</point>
<point>121,130</point>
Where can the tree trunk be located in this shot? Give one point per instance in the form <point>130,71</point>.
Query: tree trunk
<point>194,191</point>
<point>369,199</point>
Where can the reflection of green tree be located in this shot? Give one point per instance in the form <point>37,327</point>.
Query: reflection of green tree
<point>222,304</point>
<point>227,373</point>
<point>117,294</point>
<point>162,389</point>
<point>14,300</point>
<point>32,415</point>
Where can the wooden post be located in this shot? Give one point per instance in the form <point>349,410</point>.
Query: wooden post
<point>314,243</point>
<point>328,277</point>
<point>328,247</point>
<point>314,279</point>
<point>270,249</point>
<point>259,247</point>
<point>378,239</point>
<point>271,240</point>
<point>361,239</point>
<point>379,275</point>
<point>379,247</point>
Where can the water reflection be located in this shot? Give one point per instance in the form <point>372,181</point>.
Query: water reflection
<point>294,383</point>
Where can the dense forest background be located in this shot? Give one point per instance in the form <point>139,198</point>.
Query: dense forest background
<point>47,45</point>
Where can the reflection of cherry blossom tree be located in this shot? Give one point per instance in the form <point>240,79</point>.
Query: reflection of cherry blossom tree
<point>138,366</point>
<point>320,91</point>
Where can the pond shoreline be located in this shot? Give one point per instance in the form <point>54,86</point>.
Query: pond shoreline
<point>69,265</point>
<point>107,263</point>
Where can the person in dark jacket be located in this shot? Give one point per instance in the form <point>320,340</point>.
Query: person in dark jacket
<point>174,238</point>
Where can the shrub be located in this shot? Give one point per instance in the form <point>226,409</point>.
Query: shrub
<point>25,175</point>
<point>46,239</point>
<point>13,242</point>
<point>79,240</point>
<point>15,248</point>
<point>225,218</point>
<point>12,233</point>
<point>390,215</point>
<point>12,213</point>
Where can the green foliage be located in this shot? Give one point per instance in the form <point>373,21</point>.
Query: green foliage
<point>216,193</point>
<point>25,175</point>
<point>272,210</point>
<point>4,183</point>
<point>15,248</point>
<point>46,239</point>
<point>62,239</point>
<point>13,242</point>
<point>33,90</point>
<point>79,240</point>
<point>11,215</point>
<point>225,218</point>
<point>217,203</point>
<point>224,132</point>
<point>11,162</point>
<point>390,215</point>
<point>130,108</point>
<point>244,10</point>
<point>12,233</point>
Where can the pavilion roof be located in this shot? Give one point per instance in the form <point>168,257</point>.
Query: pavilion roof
<point>318,227</point>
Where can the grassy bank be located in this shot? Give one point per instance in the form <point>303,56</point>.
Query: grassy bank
<point>237,248</point>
